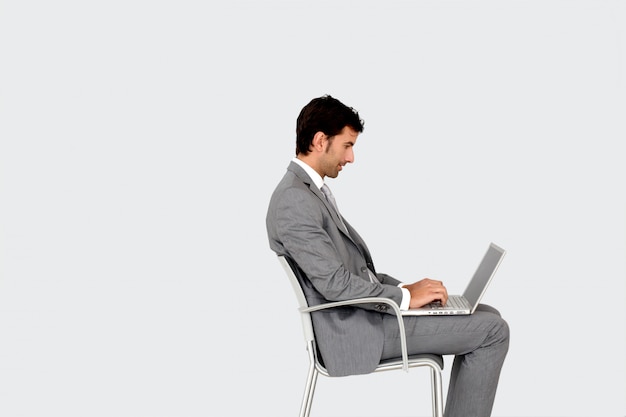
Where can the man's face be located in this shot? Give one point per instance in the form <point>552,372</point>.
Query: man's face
<point>338,152</point>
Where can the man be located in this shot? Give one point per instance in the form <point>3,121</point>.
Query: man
<point>304,224</point>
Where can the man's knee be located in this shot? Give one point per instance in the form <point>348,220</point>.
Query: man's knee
<point>502,332</point>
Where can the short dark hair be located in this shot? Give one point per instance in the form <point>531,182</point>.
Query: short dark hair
<point>324,114</point>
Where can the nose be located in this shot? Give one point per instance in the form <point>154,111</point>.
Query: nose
<point>349,155</point>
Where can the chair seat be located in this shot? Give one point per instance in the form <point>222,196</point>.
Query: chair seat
<point>434,362</point>
<point>414,360</point>
<point>430,360</point>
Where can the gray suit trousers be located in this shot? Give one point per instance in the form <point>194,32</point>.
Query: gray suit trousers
<point>480,342</point>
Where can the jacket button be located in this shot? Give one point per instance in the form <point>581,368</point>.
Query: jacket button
<point>363,269</point>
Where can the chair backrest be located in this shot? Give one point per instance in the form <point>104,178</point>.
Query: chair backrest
<point>307,326</point>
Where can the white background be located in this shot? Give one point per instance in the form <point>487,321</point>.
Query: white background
<point>141,141</point>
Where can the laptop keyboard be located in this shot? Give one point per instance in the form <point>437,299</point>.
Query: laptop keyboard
<point>455,303</point>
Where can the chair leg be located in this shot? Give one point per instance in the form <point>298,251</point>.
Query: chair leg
<point>309,390</point>
<point>437,392</point>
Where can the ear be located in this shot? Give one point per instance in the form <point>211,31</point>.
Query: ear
<point>318,141</point>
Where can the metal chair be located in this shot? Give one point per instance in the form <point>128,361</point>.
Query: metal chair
<point>434,362</point>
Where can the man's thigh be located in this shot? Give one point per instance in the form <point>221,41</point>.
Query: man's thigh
<point>444,335</point>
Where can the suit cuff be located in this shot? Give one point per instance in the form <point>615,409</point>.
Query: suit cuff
<point>406,298</point>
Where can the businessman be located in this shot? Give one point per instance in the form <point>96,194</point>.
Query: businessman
<point>304,223</point>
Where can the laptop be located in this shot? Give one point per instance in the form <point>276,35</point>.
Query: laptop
<point>466,304</point>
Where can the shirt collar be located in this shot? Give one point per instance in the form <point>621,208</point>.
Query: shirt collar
<point>315,177</point>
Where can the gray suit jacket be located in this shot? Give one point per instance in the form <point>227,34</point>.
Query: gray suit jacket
<point>302,225</point>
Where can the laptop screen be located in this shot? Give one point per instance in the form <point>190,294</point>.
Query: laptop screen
<point>485,271</point>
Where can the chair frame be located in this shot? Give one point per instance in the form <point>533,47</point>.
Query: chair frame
<point>432,361</point>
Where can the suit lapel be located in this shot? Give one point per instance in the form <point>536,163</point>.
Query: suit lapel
<point>300,173</point>
<point>351,234</point>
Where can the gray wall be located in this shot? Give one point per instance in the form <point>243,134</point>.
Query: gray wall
<point>129,288</point>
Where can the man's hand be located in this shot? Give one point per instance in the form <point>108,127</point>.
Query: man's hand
<point>426,291</point>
